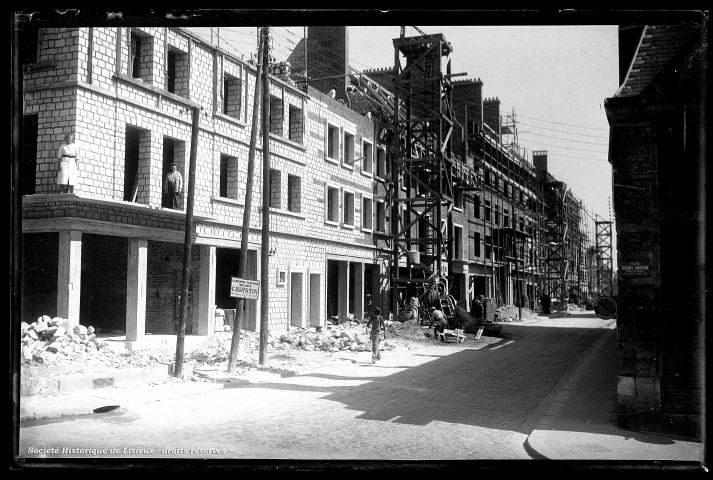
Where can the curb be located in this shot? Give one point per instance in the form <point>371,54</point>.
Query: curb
<point>116,378</point>
<point>36,406</point>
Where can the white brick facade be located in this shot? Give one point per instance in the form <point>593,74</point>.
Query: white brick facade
<point>87,86</point>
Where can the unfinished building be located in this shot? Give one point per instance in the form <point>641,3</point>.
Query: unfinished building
<point>374,186</point>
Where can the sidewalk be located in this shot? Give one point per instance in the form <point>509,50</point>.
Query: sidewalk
<point>578,419</point>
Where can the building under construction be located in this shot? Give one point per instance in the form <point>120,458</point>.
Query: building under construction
<point>378,181</point>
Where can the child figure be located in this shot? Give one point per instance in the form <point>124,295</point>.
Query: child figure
<point>378,328</point>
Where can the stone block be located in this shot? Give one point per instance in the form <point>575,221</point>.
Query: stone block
<point>79,330</point>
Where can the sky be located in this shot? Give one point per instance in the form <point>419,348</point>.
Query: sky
<point>553,78</point>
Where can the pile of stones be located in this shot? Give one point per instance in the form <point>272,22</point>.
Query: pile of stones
<point>57,341</point>
<point>47,337</point>
<point>332,341</point>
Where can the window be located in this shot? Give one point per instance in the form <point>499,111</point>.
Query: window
<point>522,224</point>
<point>333,143</point>
<point>505,188</point>
<point>141,56</point>
<point>294,193</point>
<point>275,181</point>
<point>458,198</point>
<point>488,247</point>
<point>486,177</point>
<point>367,213</point>
<point>232,96</point>
<point>29,44</point>
<point>177,68</point>
<point>228,177</point>
<point>529,227</point>
<point>296,124</point>
<point>367,160</point>
<point>276,116</point>
<point>332,204</point>
<point>476,244</point>
<point>348,149</point>
<point>487,210</point>
<point>497,215</point>
<point>506,218</point>
<point>381,163</point>
<point>348,204</point>
<point>457,242</point>
<point>380,217</point>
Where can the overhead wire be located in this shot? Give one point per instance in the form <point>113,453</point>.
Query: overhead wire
<point>324,73</point>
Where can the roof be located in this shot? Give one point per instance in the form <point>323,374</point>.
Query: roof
<point>658,46</point>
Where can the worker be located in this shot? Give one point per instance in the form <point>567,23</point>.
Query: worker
<point>378,330</point>
<point>438,320</point>
<point>476,307</point>
<point>173,187</point>
<point>411,311</point>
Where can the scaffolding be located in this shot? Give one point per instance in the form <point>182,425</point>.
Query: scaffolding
<point>422,163</point>
<point>555,238</point>
<point>605,280</point>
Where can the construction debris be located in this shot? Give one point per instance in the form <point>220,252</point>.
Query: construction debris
<point>48,340</point>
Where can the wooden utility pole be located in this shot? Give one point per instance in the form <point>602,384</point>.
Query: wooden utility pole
<point>242,266</point>
<point>187,244</point>
<point>264,255</point>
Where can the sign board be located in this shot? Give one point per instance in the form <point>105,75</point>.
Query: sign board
<point>241,288</point>
<point>634,268</point>
<point>605,307</point>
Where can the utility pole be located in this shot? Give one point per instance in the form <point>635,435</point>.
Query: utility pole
<point>242,266</point>
<point>264,255</point>
<point>187,244</point>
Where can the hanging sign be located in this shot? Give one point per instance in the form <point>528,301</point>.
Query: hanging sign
<point>241,288</point>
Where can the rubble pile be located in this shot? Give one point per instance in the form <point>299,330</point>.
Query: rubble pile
<point>45,338</point>
<point>408,330</point>
<point>56,341</point>
<point>333,341</point>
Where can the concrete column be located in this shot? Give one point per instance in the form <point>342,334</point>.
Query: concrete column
<point>343,289</point>
<point>206,291</point>
<point>136,289</point>
<point>358,290</point>
<point>69,275</point>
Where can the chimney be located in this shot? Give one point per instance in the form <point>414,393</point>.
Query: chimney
<point>491,114</point>
<point>468,94</point>
<point>328,56</point>
<point>539,160</point>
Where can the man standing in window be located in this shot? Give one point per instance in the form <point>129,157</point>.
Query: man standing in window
<point>172,187</point>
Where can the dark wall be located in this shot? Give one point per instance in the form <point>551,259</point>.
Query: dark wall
<point>39,276</point>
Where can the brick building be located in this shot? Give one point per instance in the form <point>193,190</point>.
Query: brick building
<point>110,254</point>
<point>657,120</point>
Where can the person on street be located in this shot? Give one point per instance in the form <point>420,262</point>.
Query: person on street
<point>67,157</point>
<point>410,312</point>
<point>438,321</point>
<point>545,301</point>
<point>172,187</point>
<point>476,307</point>
<point>376,329</point>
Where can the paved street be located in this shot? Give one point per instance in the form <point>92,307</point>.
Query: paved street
<point>435,403</point>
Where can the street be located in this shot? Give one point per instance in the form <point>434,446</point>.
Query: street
<point>447,402</point>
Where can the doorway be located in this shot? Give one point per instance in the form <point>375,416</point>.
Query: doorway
<point>297,299</point>
<point>315,299</point>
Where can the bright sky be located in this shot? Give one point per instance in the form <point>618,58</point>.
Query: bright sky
<point>554,78</point>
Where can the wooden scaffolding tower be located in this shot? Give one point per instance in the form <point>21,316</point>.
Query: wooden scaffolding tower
<point>424,174</point>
